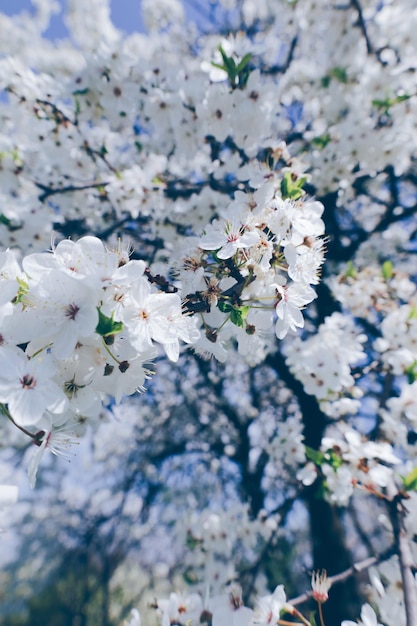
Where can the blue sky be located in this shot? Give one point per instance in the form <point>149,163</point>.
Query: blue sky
<point>125,15</point>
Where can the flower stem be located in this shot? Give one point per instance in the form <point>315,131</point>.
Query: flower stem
<point>321,614</point>
<point>6,412</point>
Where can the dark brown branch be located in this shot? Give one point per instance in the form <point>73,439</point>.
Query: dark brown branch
<point>357,5</point>
<point>398,513</point>
<point>50,191</point>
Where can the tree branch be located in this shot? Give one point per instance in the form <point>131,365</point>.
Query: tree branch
<point>356,568</point>
<point>398,514</point>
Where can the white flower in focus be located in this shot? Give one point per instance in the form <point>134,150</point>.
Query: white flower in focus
<point>61,310</point>
<point>151,316</point>
<point>58,441</point>
<point>268,608</point>
<point>26,386</point>
<point>290,300</point>
<point>226,238</point>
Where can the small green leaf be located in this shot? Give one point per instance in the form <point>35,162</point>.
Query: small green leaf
<point>312,618</point>
<point>340,74</point>
<point>413,313</point>
<point>295,194</point>
<point>387,103</point>
<point>106,326</point>
<point>322,141</point>
<point>325,81</point>
<point>410,481</point>
<point>315,456</point>
<point>236,318</point>
<point>286,185</point>
<point>350,270</point>
<point>220,67</point>
<point>237,72</point>
<point>243,62</point>
<point>224,306</point>
<point>23,290</point>
<point>290,188</point>
<point>333,459</point>
<point>4,220</point>
<point>411,373</point>
<point>229,63</point>
<point>245,310</point>
<point>387,270</point>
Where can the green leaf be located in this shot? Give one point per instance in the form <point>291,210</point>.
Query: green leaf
<point>315,456</point>
<point>387,103</point>
<point>285,185</point>
<point>220,67</point>
<point>322,141</point>
<point>290,188</point>
<point>236,318</point>
<point>243,62</point>
<point>237,72</point>
<point>106,326</point>
<point>312,618</point>
<point>238,314</point>
<point>411,373</point>
<point>224,306</point>
<point>325,81</point>
<point>229,63</point>
<point>333,459</point>
<point>410,481</point>
<point>4,220</point>
<point>350,270</point>
<point>340,74</point>
<point>387,270</point>
<point>413,313</point>
<point>23,290</point>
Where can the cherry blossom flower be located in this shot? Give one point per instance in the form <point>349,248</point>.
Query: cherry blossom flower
<point>368,618</point>
<point>320,585</point>
<point>268,608</point>
<point>28,388</point>
<point>227,238</point>
<point>57,440</point>
<point>290,300</point>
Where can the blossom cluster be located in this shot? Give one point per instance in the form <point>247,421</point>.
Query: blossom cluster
<point>79,325</point>
<point>324,362</point>
<point>213,538</point>
<point>255,264</point>
<point>229,608</point>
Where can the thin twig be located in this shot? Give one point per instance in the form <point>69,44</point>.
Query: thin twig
<point>362,25</point>
<point>351,571</point>
<point>50,191</point>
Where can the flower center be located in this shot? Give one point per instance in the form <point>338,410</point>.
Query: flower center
<point>71,311</point>
<point>28,381</point>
